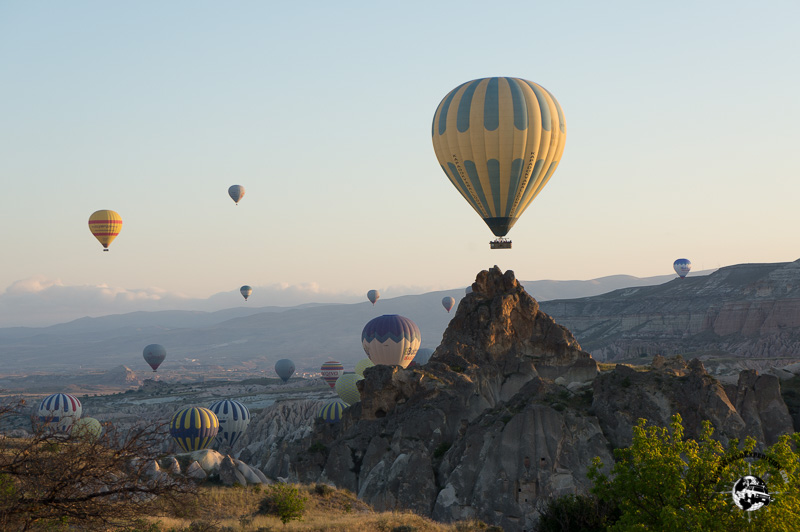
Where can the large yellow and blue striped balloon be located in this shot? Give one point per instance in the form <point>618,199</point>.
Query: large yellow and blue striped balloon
<point>332,411</point>
<point>194,428</point>
<point>499,140</point>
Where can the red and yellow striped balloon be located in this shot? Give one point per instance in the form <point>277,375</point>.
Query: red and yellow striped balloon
<point>105,226</point>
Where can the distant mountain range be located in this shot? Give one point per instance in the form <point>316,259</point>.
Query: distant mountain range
<point>307,334</point>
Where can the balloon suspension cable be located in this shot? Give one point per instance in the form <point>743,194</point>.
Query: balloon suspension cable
<point>500,243</point>
<point>105,249</point>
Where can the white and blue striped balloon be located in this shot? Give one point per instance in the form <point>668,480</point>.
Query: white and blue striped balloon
<point>60,411</point>
<point>682,267</point>
<point>233,420</point>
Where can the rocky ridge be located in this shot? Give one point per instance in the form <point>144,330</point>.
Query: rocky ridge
<point>746,310</point>
<point>508,412</point>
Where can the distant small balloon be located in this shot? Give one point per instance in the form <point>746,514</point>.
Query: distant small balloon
<point>332,370</point>
<point>246,291</point>
<point>154,355</point>
<point>363,364</point>
<point>448,302</point>
<point>346,388</point>
<point>468,290</point>
<point>105,225</point>
<point>236,192</point>
<point>682,267</point>
<point>373,296</point>
<point>284,368</point>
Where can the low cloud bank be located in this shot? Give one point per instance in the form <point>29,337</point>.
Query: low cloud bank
<point>39,301</point>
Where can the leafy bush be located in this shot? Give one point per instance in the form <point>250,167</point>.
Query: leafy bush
<point>323,490</point>
<point>283,501</point>
<point>441,450</point>
<point>317,447</point>
<point>576,513</point>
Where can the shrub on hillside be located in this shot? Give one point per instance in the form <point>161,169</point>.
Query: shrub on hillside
<point>283,501</point>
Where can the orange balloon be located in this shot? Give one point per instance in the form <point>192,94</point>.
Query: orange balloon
<point>105,226</point>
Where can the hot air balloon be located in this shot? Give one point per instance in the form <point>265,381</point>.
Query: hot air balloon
<point>236,192</point>
<point>246,291</point>
<point>59,411</point>
<point>233,419</point>
<point>194,428</point>
<point>682,267</point>
<point>499,140</point>
<point>331,371</point>
<point>105,226</point>
<point>284,368</point>
<point>448,302</point>
<point>332,411</point>
<point>363,364</point>
<point>423,356</point>
<point>87,428</point>
<point>346,388</point>
<point>154,354</point>
<point>391,340</point>
<point>468,290</point>
<point>373,296</point>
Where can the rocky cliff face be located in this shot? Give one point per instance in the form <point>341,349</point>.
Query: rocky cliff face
<point>747,310</point>
<point>500,419</point>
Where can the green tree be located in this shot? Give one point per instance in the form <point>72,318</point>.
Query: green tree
<point>666,482</point>
<point>283,501</point>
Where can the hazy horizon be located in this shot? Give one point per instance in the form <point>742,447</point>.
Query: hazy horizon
<point>681,128</point>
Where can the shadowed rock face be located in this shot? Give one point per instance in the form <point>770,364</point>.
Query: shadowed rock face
<point>498,421</point>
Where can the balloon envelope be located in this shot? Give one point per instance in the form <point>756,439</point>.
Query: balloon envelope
<point>193,428</point>
<point>468,290</point>
<point>154,354</point>
<point>246,291</point>
<point>236,192</point>
<point>87,428</point>
<point>105,226</point>
<point>682,267</point>
<point>448,302</point>
<point>391,340</point>
<point>233,418</point>
<point>346,388</point>
<point>60,411</point>
<point>373,296</point>
<point>363,364</point>
<point>332,370</point>
<point>499,140</point>
<point>332,411</point>
<point>284,368</point>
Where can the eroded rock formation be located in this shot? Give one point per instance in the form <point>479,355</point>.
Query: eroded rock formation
<point>509,412</point>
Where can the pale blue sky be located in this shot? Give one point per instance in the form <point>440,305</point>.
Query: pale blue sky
<point>682,125</point>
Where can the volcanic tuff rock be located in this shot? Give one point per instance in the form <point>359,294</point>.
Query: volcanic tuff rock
<point>499,420</point>
<point>747,310</point>
<point>622,396</point>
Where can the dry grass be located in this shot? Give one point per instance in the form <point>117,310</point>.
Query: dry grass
<point>327,509</point>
